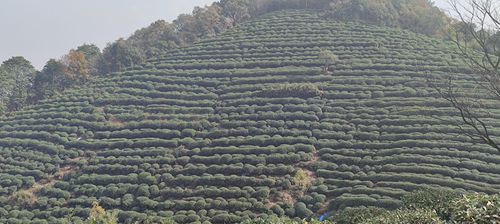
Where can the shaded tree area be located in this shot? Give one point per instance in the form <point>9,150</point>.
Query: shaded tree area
<point>16,78</point>
<point>78,67</point>
<point>22,85</point>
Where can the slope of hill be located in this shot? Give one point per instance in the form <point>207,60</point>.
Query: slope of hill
<point>244,125</point>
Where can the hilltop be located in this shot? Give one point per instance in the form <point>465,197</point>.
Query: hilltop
<point>246,124</point>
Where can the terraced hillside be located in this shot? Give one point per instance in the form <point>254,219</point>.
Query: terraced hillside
<point>247,124</point>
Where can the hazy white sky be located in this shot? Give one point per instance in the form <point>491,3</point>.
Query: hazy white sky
<point>44,29</point>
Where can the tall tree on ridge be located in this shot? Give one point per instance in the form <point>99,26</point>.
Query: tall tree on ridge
<point>120,55</point>
<point>50,81</point>
<point>92,55</point>
<point>77,67</point>
<point>236,10</point>
<point>19,74</point>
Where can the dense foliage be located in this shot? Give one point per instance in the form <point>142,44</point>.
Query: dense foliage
<point>246,125</point>
<point>77,68</point>
<point>21,85</point>
<point>438,200</point>
<point>16,78</point>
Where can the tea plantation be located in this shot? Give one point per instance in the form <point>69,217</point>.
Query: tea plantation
<point>247,124</point>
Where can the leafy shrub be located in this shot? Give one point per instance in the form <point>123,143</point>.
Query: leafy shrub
<point>476,209</point>
<point>434,199</point>
<point>406,216</point>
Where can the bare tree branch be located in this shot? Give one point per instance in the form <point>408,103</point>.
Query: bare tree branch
<point>477,39</point>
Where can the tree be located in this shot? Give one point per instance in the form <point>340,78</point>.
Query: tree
<point>235,10</point>
<point>77,67</point>
<point>50,81</point>
<point>380,12</point>
<point>155,39</point>
<point>18,74</point>
<point>478,43</point>
<point>187,29</point>
<point>120,55</point>
<point>91,51</point>
<point>209,20</point>
<point>421,16</point>
<point>327,58</point>
<point>4,91</point>
<point>92,55</point>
